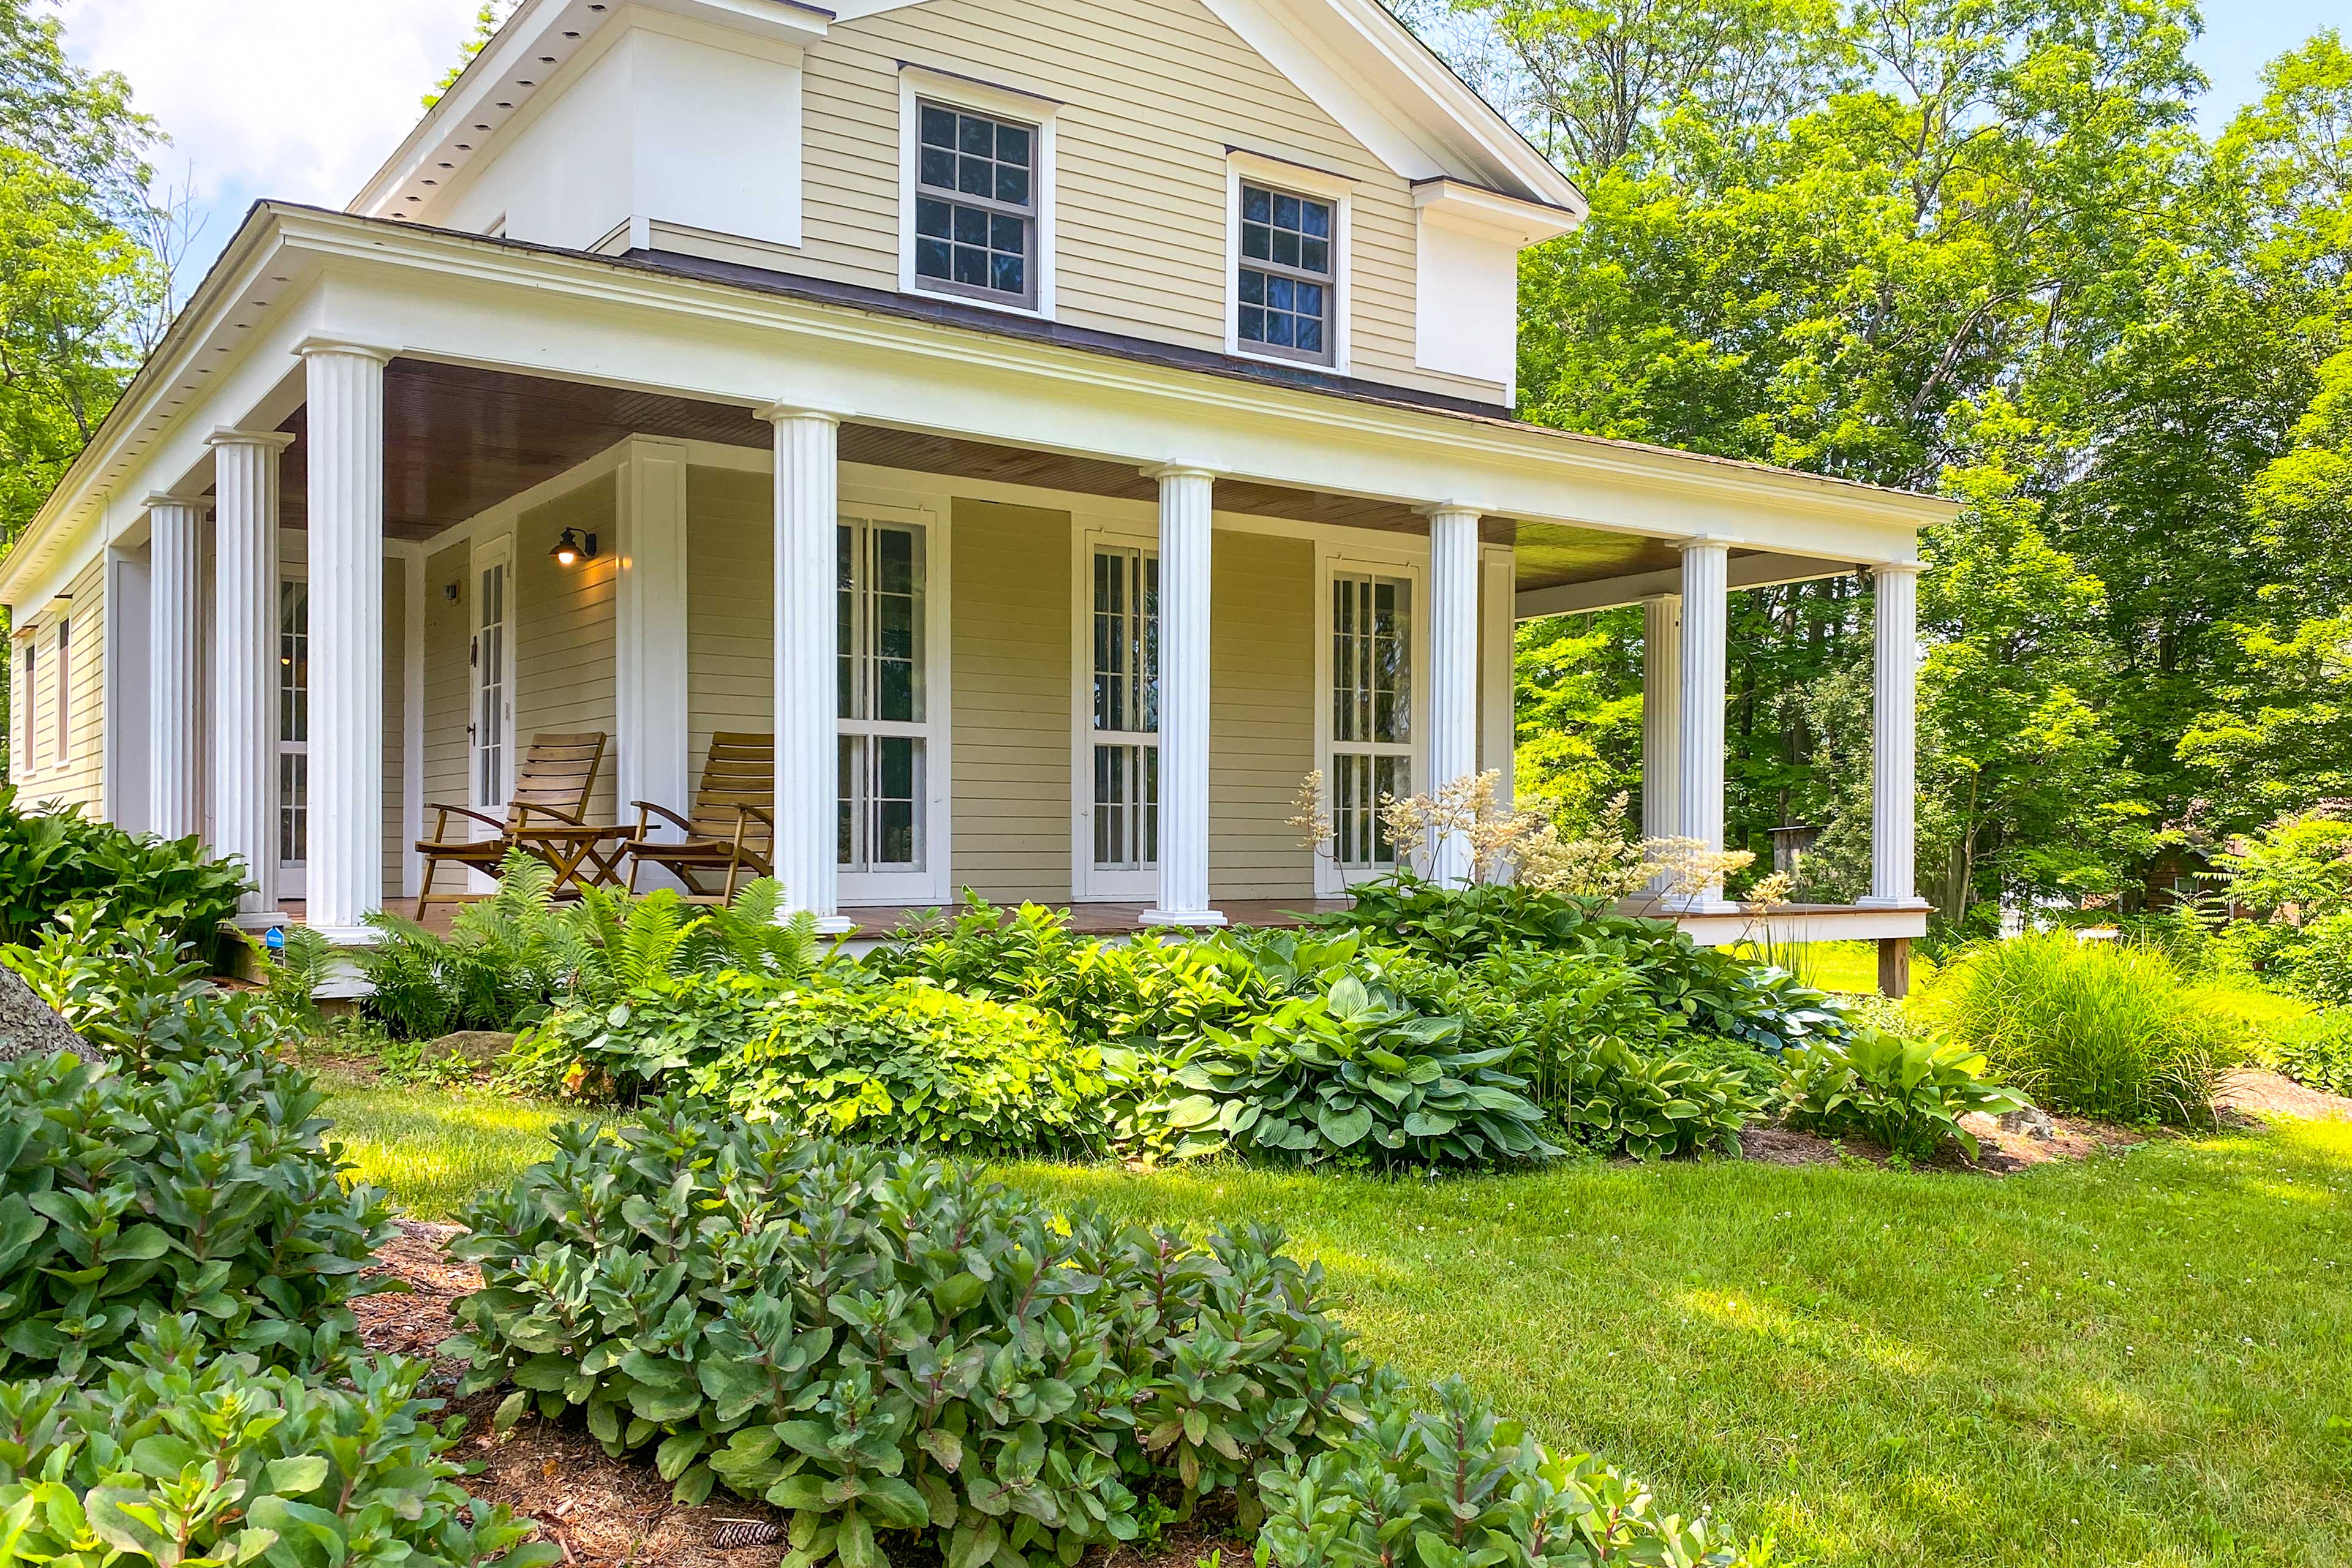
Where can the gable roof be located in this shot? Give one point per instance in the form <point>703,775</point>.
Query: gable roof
<point>1357,61</point>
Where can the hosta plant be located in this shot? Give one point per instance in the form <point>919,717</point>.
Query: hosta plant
<point>881,1343</point>
<point>1356,1072</point>
<point>134,991</point>
<point>1450,1486</point>
<point>192,1459</point>
<point>206,1189</point>
<point>1656,1107</point>
<point>1906,1095</point>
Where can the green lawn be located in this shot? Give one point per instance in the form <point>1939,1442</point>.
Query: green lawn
<point>435,1148</point>
<point>2146,1359</point>
<point>1849,966</point>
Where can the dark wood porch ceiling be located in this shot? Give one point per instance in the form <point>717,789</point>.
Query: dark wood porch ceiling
<point>457,441</point>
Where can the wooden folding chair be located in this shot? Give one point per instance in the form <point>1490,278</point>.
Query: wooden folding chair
<point>552,791</point>
<point>730,834</point>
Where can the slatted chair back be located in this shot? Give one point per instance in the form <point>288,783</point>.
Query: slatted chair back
<point>558,774</point>
<point>740,771</point>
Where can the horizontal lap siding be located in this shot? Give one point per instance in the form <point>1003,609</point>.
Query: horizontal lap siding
<point>730,641</point>
<point>1152,95</point>
<point>1010,640</point>
<point>1261,714</point>
<point>396,721</point>
<point>566,636</point>
<point>448,640</point>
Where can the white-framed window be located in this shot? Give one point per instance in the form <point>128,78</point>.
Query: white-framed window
<point>293,730</point>
<point>1287,229</point>
<point>491,730</point>
<point>1114,772</point>
<point>1373,644</point>
<point>976,191</point>
<point>890,704</point>
<point>65,691</point>
<point>30,698</point>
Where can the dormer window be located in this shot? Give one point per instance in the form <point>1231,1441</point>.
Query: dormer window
<point>976,206</point>
<point>1286,276</point>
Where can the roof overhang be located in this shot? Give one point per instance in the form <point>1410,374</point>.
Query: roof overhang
<point>522,63</point>
<point>291,273</point>
<point>1474,209</point>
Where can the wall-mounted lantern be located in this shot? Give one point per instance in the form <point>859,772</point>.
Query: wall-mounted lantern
<point>573,547</point>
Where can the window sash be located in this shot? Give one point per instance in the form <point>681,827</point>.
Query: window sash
<point>65,691</point>
<point>32,705</point>
<point>882,607</point>
<point>1269,268</point>
<point>293,723</point>
<point>1124,611</point>
<point>987,204</point>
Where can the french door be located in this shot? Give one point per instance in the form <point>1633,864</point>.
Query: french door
<point>1118,845</point>
<point>293,733</point>
<point>1372,645</point>
<point>490,731</point>
<point>886,729</point>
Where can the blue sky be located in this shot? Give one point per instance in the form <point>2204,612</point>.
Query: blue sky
<point>301,100</point>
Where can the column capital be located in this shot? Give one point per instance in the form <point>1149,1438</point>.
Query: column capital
<point>1166,471</point>
<point>1671,596</point>
<point>1435,509</point>
<point>1898,568</point>
<point>278,440</point>
<point>157,500</point>
<point>319,345</point>
<point>1702,542</point>
<point>798,413</point>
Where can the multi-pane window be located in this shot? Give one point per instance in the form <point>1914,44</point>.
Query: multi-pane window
<point>976,205</point>
<point>1126,623</point>
<point>31,700</point>
<point>1372,712</point>
<point>1286,274</point>
<point>65,691</point>
<point>882,702</point>
<point>490,687</point>
<point>293,721</point>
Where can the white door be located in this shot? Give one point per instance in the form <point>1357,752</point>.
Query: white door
<point>1119,748</point>
<point>293,733</point>
<point>491,729</point>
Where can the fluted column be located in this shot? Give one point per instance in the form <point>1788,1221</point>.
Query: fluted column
<point>1895,733</point>
<point>808,728</point>
<point>1662,715</point>
<point>1706,616</point>
<point>1453,704</point>
<point>174,605</point>
<point>345,444</point>
<point>245,661</point>
<point>1187,498</point>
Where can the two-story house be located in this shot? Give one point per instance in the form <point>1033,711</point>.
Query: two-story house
<point>1061,428</point>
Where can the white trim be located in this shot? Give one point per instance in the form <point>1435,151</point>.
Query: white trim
<point>1498,669</point>
<point>412,715</point>
<point>652,615</point>
<point>1473,209</point>
<point>482,553</point>
<point>1089,885</point>
<point>1401,556</point>
<point>1762,569</point>
<point>293,877</point>
<point>915,83</point>
<point>934,883</point>
<point>1299,180</point>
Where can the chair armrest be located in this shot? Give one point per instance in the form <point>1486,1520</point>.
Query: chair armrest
<point>763,816</point>
<point>645,808</point>
<point>523,810</point>
<point>448,811</point>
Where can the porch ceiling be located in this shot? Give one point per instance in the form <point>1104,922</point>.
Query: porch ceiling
<point>458,440</point>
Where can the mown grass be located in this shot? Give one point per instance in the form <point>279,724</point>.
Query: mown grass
<point>2145,1359</point>
<point>1843,966</point>
<point>434,1148</point>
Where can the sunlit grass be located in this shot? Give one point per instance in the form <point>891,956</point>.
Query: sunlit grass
<point>2145,1359</point>
<point>1849,966</point>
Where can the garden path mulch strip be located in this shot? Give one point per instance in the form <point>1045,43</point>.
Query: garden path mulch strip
<point>1998,1154</point>
<point>605,1512</point>
<point>2254,1092</point>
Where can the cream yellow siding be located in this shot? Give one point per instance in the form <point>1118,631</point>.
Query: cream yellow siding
<point>1010,640</point>
<point>396,722</point>
<point>446,643</point>
<point>1261,714</point>
<point>71,755</point>
<point>1152,95</point>
<point>565,631</point>
<point>730,649</point>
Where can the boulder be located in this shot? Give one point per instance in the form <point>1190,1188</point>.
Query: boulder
<point>483,1047</point>
<point>2033,1120</point>
<point>30,1026</point>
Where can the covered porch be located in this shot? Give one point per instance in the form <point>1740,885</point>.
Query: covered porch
<point>1046,622</point>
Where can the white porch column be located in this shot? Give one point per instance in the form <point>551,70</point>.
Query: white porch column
<point>1707,617</point>
<point>175,589</point>
<point>344,445</point>
<point>1187,497</point>
<point>1662,715</point>
<point>1453,706</point>
<point>245,661</point>
<point>808,766</point>
<point>1895,725</point>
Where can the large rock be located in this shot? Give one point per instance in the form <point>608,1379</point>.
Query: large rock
<point>30,1026</point>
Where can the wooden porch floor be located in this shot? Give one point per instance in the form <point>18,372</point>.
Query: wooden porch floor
<point>880,920</point>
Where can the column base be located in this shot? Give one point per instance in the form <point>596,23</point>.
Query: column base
<point>1704,904</point>
<point>350,936</point>
<point>1188,920</point>
<point>1877,903</point>
<point>835,925</point>
<point>261,920</point>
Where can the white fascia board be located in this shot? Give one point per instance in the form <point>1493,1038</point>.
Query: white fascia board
<point>537,43</point>
<point>1474,209</point>
<point>1763,570</point>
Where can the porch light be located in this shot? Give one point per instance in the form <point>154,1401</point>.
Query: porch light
<point>573,547</point>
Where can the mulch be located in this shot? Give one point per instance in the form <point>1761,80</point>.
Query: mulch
<point>605,1512</point>
<point>1998,1154</point>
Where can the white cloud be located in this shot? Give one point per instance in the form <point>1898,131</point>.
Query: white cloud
<point>297,99</point>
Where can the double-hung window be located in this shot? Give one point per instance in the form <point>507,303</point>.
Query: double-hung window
<point>65,691</point>
<point>883,600</point>
<point>1124,743</point>
<point>30,697</point>
<point>1287,285</point>
<point>1372,714</point>
<point>976,204</point>
<point>293,729</point>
